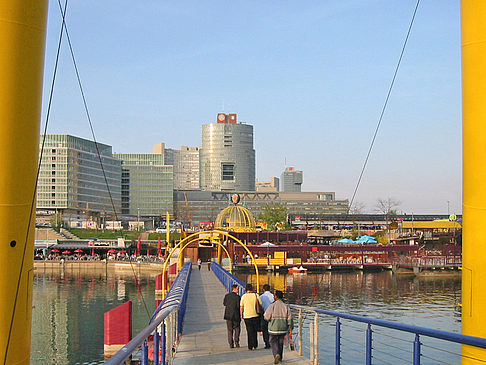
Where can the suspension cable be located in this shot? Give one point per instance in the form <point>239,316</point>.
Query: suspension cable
<point>384,106</point>
<point>96,143</point>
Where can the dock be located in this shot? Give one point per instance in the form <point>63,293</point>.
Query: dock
<point>204,339</point>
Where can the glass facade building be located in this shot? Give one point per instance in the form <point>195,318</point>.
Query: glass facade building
<point>71,176</point>
<point>292,180</point>
<point>147,184</point>
<point>227,156</point>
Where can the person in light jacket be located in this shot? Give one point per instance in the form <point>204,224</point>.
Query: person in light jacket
<point>280,322</point>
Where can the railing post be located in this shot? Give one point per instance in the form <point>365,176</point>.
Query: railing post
<point>163,344</point>
<point>300,333</point>
<point>156,347</point>
<point>369,341</point>
<point>338,341</point>
<point>316,338</point>
<point>311,341</point>
<point>416,350</point>
<point>144,354</point>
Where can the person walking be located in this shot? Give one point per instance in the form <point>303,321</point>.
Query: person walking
<point>267,299</point>
<point>249,306</point>
<point>280,322</point>
<point>232,316</point>
<point>199,262</point>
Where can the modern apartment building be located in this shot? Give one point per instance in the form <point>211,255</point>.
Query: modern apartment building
<point>72,179</point>
<point>227,156</point>
<point>292,180</point>
<point>147,185</point>
<point>186,165</point>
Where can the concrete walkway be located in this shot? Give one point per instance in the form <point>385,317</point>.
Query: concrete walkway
<point>204,339</point>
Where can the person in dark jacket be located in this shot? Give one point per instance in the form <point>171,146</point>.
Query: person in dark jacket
<point>232,316</point>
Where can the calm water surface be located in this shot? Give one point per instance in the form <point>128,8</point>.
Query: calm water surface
<point>69,307</point>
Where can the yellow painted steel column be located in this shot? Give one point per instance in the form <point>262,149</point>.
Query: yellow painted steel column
<point>22,43</point>
<point>167,229</point>
<point>220,252</point>
<point>473,14</point>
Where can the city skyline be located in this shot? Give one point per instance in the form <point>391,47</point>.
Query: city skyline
<point>310,77</point>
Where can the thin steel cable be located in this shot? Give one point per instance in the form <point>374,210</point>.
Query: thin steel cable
<point>383,361</point>
<point>389,336</point>
<point>87,113</point>
<point>442,350</point>
<point>384,105</point>
<point>352,341</point>
<point>388,354</point>
<point>392,346</point>
<point>63,12</point>
<point>96,143</point>
<point>436,360</point>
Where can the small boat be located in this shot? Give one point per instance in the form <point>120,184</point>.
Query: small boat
<point>297,270</point>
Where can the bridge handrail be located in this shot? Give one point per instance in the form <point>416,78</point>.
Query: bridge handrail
<point>429,332</point>
<point>174,299</point>
<point>226,278</point>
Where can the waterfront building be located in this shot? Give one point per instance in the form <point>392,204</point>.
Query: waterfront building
<point>292,180</point>
<point>72,180</point>
<point>227,156</point>
<point>147,184</point>
<point>272,185</point>
<point>204,206</point>
<point>186,165</point>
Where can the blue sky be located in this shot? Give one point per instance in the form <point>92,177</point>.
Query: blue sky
<point>310,76</point>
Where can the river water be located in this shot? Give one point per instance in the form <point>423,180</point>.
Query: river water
<point>69,308</point>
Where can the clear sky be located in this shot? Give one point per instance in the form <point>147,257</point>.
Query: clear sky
<point>310,76</point>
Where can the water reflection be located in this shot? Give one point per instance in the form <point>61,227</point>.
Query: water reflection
<point>69,305</point>
<point>427,302</point>
<point>382,295</point>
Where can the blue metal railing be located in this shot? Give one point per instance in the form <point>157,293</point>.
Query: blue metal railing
<point>372,324</point>
<point>165,325</point>
<point>226,278</point>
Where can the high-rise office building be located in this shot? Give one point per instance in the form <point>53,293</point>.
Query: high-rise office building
<point>292,180</point>
<point>186,165</point>
<point>227,156</point>
<point>72,180</point>
<point>269,186</point>
<point>147,184</point>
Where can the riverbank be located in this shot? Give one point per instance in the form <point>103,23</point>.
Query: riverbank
<point>90,266</point>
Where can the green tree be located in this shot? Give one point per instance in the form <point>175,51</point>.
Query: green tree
<point>56,221</point>
<point>274,214</point>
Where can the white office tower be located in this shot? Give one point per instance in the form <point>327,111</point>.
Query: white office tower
<point>227,156</point>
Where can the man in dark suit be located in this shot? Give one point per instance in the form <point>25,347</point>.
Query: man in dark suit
<point>232,316</point>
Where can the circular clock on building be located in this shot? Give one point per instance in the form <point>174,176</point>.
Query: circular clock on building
<point>221,117</point>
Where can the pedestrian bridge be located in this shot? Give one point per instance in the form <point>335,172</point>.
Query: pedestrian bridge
<point>188,328</point>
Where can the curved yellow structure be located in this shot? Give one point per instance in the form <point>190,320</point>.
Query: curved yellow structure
<point>189,239</point>
<point>474,175</point>
<point>22,41</point>
<point>235,218</point>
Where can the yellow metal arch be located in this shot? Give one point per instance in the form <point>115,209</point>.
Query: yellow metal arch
<point>219,245</point>
<point>183,243</point>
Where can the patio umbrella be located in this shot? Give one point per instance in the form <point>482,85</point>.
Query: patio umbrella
<point>148,253</point>
<point>66,252</point>
<point>112,251</point>
<point>159,245</point>
<point>92,252</point>
<point>55,250</point>
<point>78,251</point>
<point>345,240</point>
<point>139,246</point>
<point>267,244</point>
